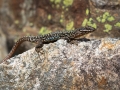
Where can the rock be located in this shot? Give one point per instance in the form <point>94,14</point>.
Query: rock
<point>91,65</point>
<point>106,4</point>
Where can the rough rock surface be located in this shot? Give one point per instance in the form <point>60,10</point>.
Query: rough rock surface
<point>91,65</point>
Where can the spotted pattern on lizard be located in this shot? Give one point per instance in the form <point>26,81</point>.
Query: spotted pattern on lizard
<point>51,37</point>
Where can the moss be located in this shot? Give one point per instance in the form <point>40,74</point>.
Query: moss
<point>111,18</point>
<point>67,2</point>
<point>117,24</point>
<point>51,0</point>
<point>89,22</point>
<point>108,27</point>
<point>101,19</point>
<point>49,17</point>
<point>44,30</point>
<point>63,7</point>
<point>92,25</point>
<point>97,11</point>
<point>31,24</point>
<point>56,1</point>
<point>98,19</point>
<point>105,17</point>
<point>24,30</point>
<point>70,25</point>
<point>61,20</point>
<point>62,17</point>
<point>84,22</point>
<point>57,6</point>
<point>87,11</point>
<point>66,9</point>
<point>16,22</point>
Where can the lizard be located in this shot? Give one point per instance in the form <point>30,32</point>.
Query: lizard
<point>51,37</point>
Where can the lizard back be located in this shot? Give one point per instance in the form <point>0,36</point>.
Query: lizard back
<point>51,37</point>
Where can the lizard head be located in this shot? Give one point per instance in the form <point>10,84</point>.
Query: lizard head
<point>84,30</point>
<point>87,29</point>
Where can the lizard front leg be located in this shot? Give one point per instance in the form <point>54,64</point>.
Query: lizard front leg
<point>39,45</point>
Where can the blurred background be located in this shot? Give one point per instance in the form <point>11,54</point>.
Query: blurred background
<point>20,18</point>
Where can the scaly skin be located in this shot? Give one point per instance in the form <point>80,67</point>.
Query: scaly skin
<point>51,37</point>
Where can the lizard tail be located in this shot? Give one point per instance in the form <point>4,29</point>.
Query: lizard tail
<point>17,44</point>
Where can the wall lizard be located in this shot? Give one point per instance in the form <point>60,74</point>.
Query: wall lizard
<point>51,37</point>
